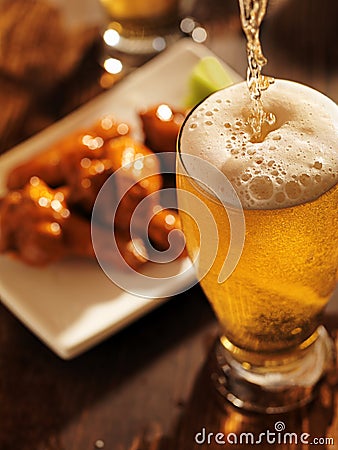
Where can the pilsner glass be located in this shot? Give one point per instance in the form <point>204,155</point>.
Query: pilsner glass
<point>273,350</point>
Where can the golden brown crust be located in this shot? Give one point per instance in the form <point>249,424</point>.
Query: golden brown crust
<point>161,129</point>
<point>46,214</point>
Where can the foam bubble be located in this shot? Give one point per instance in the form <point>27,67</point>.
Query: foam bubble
<point>297,159</point>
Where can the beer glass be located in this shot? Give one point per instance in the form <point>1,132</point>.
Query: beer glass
<point>273,350</point>
<point>141,28</point>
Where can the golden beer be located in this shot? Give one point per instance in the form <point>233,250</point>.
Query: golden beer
<point>272,302</point>
<point>136,9</point>
<point>287,271</point>
<point>142,18</point>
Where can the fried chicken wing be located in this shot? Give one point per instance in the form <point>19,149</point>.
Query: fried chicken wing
<point>86,171</point>
<point>46,215</point>
<point>161,125</point>
<point>108,127</point>
<point>55,165</point>
<point>32,221</point>
<point>161,224</point>
<point>45,166</point>
<point>118,249</point>
<point>37,227</point>
<point>136,177</point>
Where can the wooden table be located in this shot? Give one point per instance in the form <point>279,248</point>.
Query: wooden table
<point>148,386</point>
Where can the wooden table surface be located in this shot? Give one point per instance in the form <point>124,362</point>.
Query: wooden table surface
<point>148,387</point>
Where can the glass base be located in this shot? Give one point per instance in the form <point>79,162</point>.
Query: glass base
<point>137,47</point>
<point>131,52</point>
<point>146,45</point>
<point>279,383</point>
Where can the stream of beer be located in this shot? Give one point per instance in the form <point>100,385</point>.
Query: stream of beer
<point>252,14</point>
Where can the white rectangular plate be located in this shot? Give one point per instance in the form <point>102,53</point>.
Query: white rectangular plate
<point>72,305</point>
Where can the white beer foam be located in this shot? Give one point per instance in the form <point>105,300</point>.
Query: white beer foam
<point>295,163</point>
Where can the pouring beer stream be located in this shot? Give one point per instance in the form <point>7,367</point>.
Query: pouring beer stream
<point>252,14</point>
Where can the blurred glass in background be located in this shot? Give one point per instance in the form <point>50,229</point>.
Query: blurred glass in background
<point>139,29</point>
